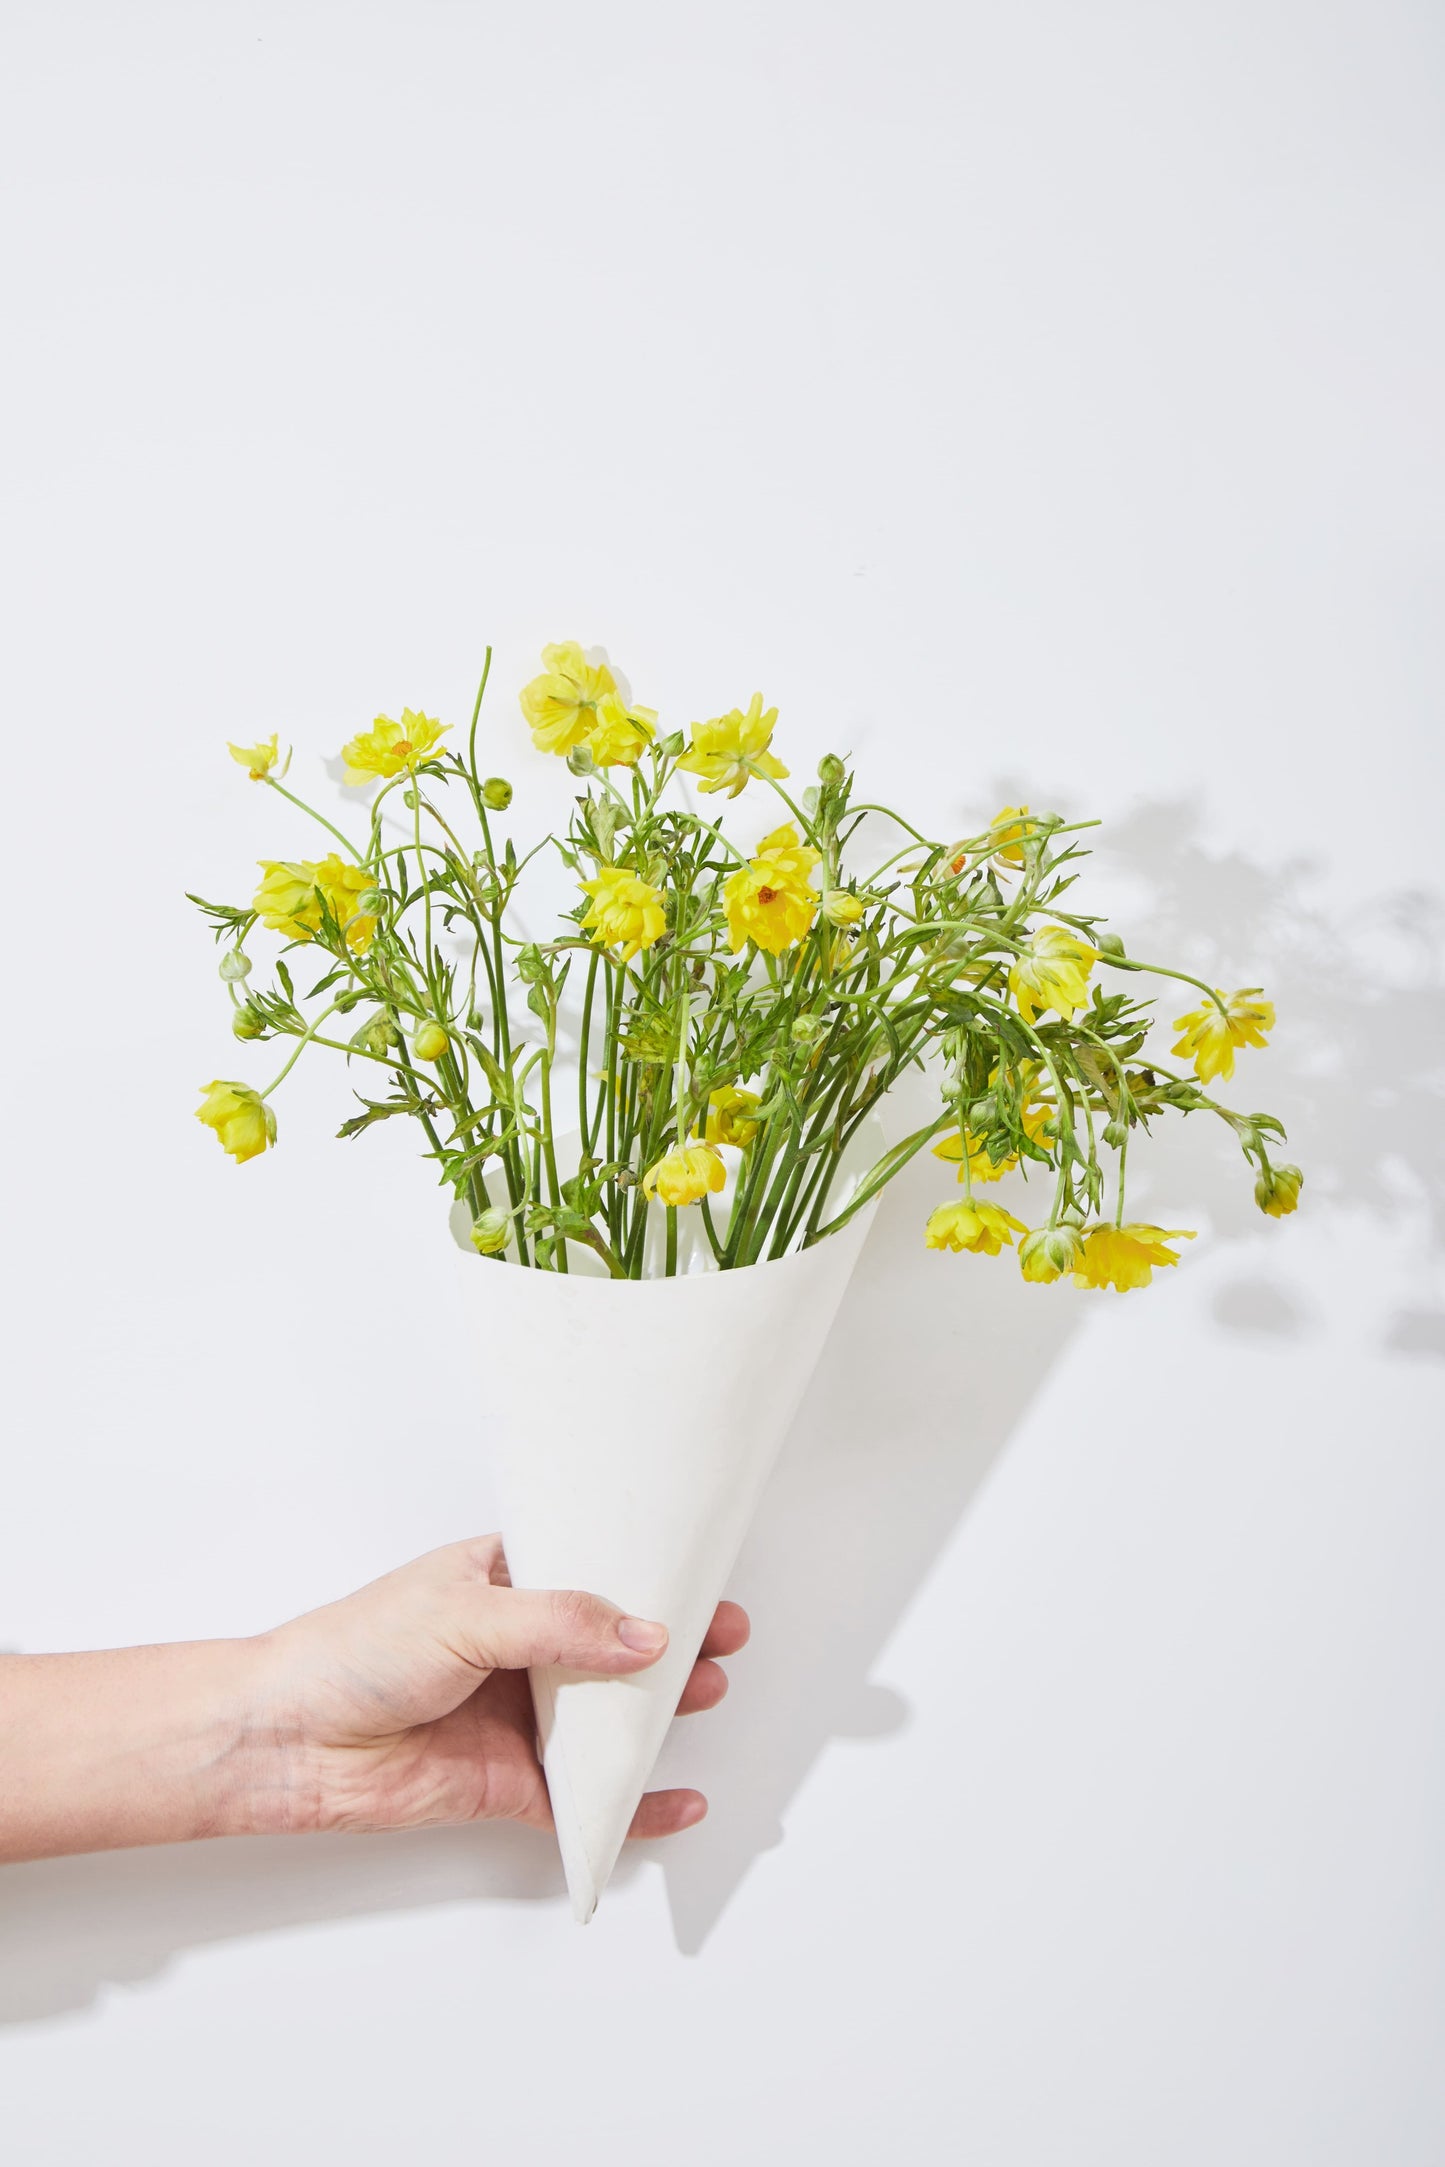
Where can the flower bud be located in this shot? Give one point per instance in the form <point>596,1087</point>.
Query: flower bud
<point>1277,1191</point>
<point>1049,1253</point>
<point>248,1022</point>
<point>345,1002</point>
<point>489,1232</point>
<point>1116,1134</point>
<point>808,1030</point>
<point>1108,944</point>
<point>841,908</point>
<point>580,759</point>
<point>370,903</point>
<point>235,964</point>
<point>410,800</point>
<point>429,1042</point>
<point>529,965</point>
<point>831,771</point>
<point>496,793</point>
<point>377,1036</point>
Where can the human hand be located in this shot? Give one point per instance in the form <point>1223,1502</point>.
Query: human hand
<point>407,1703</point>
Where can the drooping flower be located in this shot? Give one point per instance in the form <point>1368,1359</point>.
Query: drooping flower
<point>242,1120</point>
<point>1053,972</point>
<point>627,912</point>
<point>982,1228</point>
<point>561,705</point>
<point>393,748</point>
<point>289,899</point>
<point>1049,1252</point>
<point>1034,1119</point>
<point>1007,830</point>
<point>1210,1035</point>
<point>732,1116</point>
<point>770,900</point>
<point>1277,1191</point>
<point>687,1173</point>
<point>1125,1256</point>
<point>620,732</point>
<point>258,760</point>
<point>731,748</point>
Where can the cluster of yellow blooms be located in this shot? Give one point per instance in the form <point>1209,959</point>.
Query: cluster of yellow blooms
<point>768,903</point>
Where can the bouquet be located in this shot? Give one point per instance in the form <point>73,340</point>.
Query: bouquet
<point>713,1023</point>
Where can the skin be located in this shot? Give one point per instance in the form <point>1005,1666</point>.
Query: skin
<point>405,1705</point>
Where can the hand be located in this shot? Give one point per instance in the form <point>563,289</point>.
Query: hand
<point>407,1703</point>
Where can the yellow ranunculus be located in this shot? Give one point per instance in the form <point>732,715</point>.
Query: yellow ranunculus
<point>687,1173</point>
<point>1035,1118</point>
<point>561,705</point>
<point>1006,831</point>
<point>240,1117</point>
<point>620,732</point>
<point>1211,1035</point>
<point>1049,1252</point>
<point>770,901</point>
<point>1277,1192</point>
<point>1125,1256</point>
<point>982,1228</point>
<point>627,912</point>
<point>728,750</point>
<point>732,1116</point>
<point>289,899</point>
<point>393,748</point>
<point>258,760</point>
<point>1052,972</point>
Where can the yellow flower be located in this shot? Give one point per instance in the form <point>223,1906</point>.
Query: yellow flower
<point>688,1172</point>
<point>392,748</point>
<point>1052,972</point>
<point>983,1228</point>
<point>842,908</point>
<point>731,1116</point>
<point>1049,1252</point>
<point>620,732</point>
<point>1210,1036</point>
<point>240,1117</point>
<point>770,901</point>
<point>289,899</point>
<point>1125,1256</point>
<point>1006,831</point>
<point>732,747</point>
<point>1034,1118</point>
<point>258,760</point>
<point>1277,1192</point>
<point>627,912</point>
<point>561,705</point>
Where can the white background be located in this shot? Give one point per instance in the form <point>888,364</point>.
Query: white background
<point>1035,401</point>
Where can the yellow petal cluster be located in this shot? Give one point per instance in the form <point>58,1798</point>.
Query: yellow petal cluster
<point>731,748</point>
<point>686,1174</point>
<point>290,895</point>
<point>1277,1191</point>
<point>1006,832</point>
<point>258,760</point>
<point>627,912</point>
<point>620,732</point>
<point>982,1228</point>
<point>1125,1256</point>
<point>561,706</point>
<point>1049,1252</point>
<point>1211,1034</point>
<point>1052,972</point>
<point>242,1120</point>
<point>732,1116</point>
<point>770,900</point>
<point>393,748</point>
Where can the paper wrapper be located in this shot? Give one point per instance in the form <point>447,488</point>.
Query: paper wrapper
<point>633,1425</point>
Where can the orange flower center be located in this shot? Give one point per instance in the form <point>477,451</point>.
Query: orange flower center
<point>767,895</point>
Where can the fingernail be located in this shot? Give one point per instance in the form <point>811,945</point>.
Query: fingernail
<point>641,1635</point>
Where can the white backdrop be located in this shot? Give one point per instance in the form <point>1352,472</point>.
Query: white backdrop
<point>1036,402</point>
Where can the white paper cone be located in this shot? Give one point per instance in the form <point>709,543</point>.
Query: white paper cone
<point>633,1425</point>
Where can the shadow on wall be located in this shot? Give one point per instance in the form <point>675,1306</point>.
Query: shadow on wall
<point>930,1367</point>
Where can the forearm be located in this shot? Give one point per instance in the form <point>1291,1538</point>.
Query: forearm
<point>136,1746</point>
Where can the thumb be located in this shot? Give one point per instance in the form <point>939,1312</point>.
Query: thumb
<point>511,1628</point>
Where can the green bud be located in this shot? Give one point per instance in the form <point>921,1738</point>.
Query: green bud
<point>1250,1140</point>
<point>248,1022</point>
<point>496,793</point>
<point>831,771</point>
<point>489,1232</point>
<point>1116,1134</point>
<point>410,800</point>
<point>1108,944</point>
<point>671,745</point>
<point>429,1042</point>
<point>840,908</point>
<point>345,1002</point>
<point>235,964</point>
<point>809,1030</point>
<point>580,759</point>
<point>530,967</point>
<point>378,1035</point>
<point>371,903</point>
